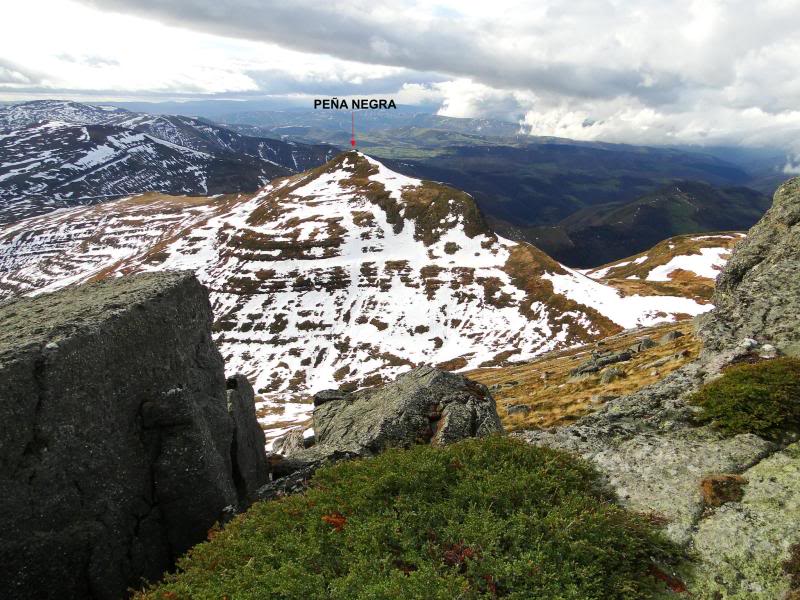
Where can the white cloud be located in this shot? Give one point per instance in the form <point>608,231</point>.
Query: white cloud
<point>676,71</point>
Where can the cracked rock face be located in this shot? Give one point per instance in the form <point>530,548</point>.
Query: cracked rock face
<point>120,446</point>
<point>758,293</point>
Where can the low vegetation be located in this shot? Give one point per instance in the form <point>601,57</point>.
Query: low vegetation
<point>761,398</point>
<point>490,518</point>
<point>545,395</point>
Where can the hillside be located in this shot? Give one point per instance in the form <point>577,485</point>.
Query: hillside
<point>684,265</point>
<point>609,232</point>
<point>340,276</point>
<point>56,154</point>
<point>544,392</point>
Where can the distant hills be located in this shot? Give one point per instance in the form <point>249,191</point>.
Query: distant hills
<point>584,203</point>
<point>607,232</point>
<point>55,154</point>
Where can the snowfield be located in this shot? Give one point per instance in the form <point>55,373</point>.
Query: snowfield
<point>706,264</point>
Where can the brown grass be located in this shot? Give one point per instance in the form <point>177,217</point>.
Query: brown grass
<point>554,398</point>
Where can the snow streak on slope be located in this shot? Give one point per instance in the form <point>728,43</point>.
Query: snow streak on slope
<point>340,276</point>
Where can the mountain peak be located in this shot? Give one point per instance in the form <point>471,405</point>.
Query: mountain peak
<point>432,208</point>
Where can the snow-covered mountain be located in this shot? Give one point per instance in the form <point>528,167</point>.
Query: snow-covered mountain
<point>342,275</point>
<point>56,153</point>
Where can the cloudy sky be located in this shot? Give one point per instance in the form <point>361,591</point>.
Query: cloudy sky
<point>666,71</point>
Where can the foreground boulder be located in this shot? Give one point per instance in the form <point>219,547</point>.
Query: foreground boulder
<point>423,406</point>
<point>120,445</point>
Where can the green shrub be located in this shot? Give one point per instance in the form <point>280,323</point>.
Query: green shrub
<point>491,518</point>
<point>761,398</point>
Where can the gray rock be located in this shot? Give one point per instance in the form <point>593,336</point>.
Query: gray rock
<point>289,444</point>
<point>425,405</point>
<point>643,344</point>
<point>758,292</point>
<point>668,337</point>
<point>597,399</point>
<point>598,361</point>
<point>611,374</point>
<point>657,363</point>
<point>518,409</point>
<point>768,351</point>
<point>328,396</point>
<point>250,461</point>
<point>117,448</point>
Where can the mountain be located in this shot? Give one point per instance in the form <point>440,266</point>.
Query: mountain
<point>616,199</point>
<point>340,276</point>
<point>55,154</point>
<point>608,232</point>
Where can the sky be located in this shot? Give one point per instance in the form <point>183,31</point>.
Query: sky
<point>640,71</point>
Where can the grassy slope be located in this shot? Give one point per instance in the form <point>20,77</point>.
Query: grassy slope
<point>544,384</point>
<point>491,518</point>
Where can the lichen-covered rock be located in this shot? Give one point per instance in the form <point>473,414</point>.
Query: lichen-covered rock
<point>651,455</point>
<point>758,292</point>
<point>425,405</point>
<point>655,457</point>
<point>116,448</point>
<point>743,546</point>
<point>290,443</point>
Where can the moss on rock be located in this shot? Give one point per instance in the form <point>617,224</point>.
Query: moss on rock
<point>761,398</point>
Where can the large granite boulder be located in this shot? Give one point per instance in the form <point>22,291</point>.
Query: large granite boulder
<point>119,446</point>
<point>423,406</point>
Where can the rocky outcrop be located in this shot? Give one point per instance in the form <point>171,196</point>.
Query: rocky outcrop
<point>119,447</point>
<point>658,461</point>
<point>758,293</point>
<point>425,405</point>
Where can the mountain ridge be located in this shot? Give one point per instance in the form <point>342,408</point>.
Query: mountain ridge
<point>343,275</point>
<point>57,154</point>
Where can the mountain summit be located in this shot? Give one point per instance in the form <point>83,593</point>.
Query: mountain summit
<point>339,276</point>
